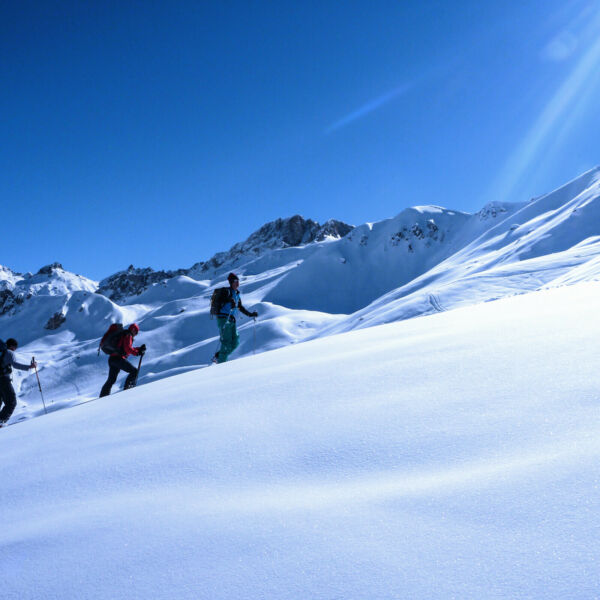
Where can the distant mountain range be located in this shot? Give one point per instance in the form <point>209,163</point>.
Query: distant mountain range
<point>306,280</point>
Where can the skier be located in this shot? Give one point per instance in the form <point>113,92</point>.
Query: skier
<point>118,360</point>
<point>226,320</point>
<point>8,398</point>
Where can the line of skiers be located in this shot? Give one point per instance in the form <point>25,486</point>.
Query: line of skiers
<point>117,342</point>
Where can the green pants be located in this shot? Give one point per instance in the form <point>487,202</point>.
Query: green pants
<point>229,338</point>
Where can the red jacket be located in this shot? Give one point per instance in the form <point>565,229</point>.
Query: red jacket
<point>125,347</point>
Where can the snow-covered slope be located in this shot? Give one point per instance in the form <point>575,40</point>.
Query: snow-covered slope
<point>306,281</point>
<point>453,456</point>
<point>553,240</point>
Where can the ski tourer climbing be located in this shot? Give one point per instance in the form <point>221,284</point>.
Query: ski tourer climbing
<point>8,397</point>
<point>224,304</point>
<point>118,343</point>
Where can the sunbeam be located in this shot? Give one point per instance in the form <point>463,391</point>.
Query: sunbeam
<point>369,107</point>
<point>560,113</point>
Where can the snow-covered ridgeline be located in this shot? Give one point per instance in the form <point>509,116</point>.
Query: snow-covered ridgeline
<point>292,232</point>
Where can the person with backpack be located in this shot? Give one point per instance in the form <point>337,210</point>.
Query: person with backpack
<point>224,304</point>
<point>118,342</point>
<point>8,397</point>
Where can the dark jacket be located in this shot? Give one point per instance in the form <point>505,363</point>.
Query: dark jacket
<point>231,304</point>
<point>7,362</point>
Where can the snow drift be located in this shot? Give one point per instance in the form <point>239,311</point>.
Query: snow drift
<point>453,456</point>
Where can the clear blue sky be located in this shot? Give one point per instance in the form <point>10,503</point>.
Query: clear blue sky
<point>158,133</point>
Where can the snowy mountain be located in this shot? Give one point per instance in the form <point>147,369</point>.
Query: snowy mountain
<point>452,456</point>
<point>8,278</point>
<point>306,281</point>
<point>132,282</point>
<point>50,281</point>
<point>282,233</point>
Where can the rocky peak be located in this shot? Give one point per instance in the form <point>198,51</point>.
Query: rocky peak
<point>333,229</point>
<point>132,282</point>
<point>293,231</point>
<point>281,233</point>
<point>50,269</point>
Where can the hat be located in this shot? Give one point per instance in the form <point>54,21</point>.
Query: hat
<point>232,277</point>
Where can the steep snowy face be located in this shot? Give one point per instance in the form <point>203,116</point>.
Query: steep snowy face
<point>375,258</point>
<point>548,224</point>
<point>551,240</point>
<point>51,280</point>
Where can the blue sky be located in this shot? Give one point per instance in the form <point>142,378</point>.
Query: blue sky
<point>158,133</point>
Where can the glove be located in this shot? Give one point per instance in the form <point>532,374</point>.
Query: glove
<point>254,314</point>
<point>142,350</point>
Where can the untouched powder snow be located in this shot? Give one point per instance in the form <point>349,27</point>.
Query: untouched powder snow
<point>450,456</point>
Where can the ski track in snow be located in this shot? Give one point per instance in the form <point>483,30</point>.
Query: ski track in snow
<point>435,303</point>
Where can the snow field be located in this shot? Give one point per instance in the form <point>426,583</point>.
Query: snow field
<point>450,456</point>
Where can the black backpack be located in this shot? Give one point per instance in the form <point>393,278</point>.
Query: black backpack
<point>109,344</point>
<point>3,348</point>
<point>219,297</point>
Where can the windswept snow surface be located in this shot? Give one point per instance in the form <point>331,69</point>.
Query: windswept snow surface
<point>452,456</point>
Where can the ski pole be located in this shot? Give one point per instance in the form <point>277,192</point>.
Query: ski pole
<point>138,370</point>
<point>39,384</point>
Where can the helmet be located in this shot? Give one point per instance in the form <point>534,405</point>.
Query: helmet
<point>134,328</point>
